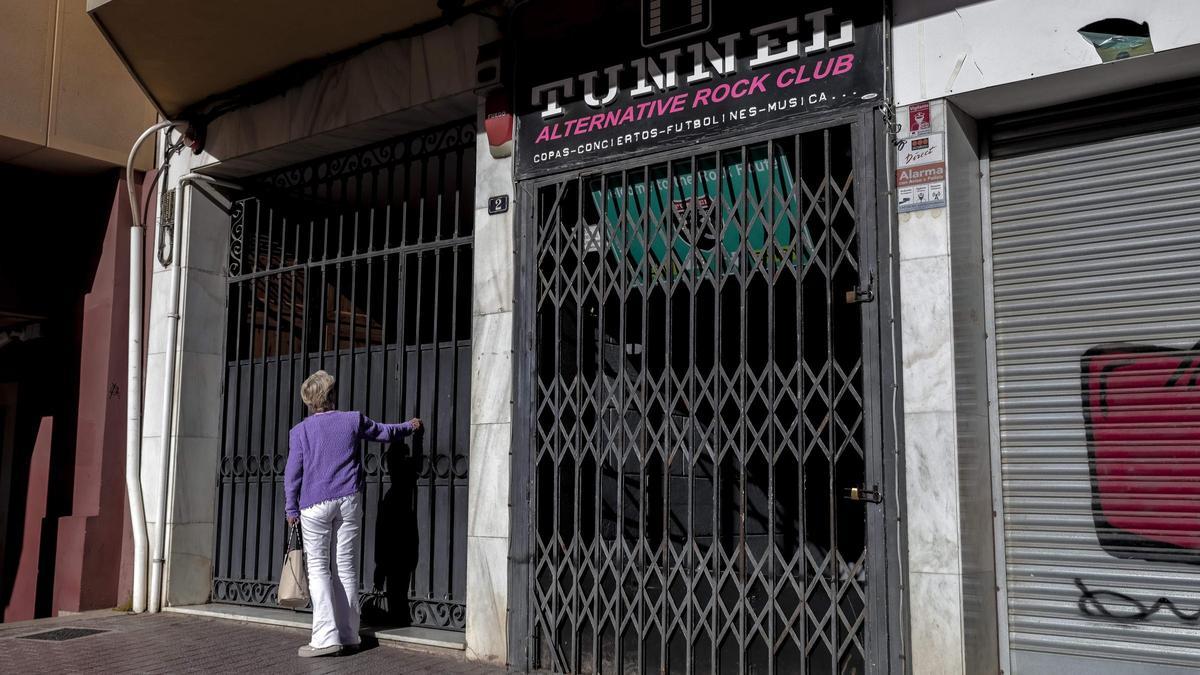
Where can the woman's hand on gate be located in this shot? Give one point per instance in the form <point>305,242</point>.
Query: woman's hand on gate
<point>416,424</point>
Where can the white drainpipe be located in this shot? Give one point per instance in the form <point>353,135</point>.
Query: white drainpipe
<point>133,387</point>
<point>183,203</point>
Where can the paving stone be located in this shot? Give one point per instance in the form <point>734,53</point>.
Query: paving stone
<point>178,643</point>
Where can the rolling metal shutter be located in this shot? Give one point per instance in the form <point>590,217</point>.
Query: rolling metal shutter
<point>1095,234</point>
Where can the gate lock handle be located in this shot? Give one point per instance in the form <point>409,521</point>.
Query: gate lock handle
<point>856,494</point>
<point>860,294</point>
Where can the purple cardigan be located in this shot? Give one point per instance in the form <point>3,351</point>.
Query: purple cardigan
<point>323,462</point>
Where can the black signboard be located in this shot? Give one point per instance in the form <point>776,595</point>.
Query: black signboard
<point>599,80</point>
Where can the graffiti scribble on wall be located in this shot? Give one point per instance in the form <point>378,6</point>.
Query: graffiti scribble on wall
<point>1141,410</point>
<point>1116,605</point>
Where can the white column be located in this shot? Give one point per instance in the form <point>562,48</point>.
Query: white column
<point>951,544</point>
<point>195,448</point>
<point>491,411</point>
<point>930,446</point>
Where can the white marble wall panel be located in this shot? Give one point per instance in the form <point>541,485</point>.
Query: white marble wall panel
<point>925,234</point>
<point>194,539</point>
<point>189,574</point>
<point>933,524</point>
<point>200,384</point>
<point>193,500</point>
<point>487,598</point>
<point>160,292</point>
<point>491,369</point>
<point>927,335</point>
<point>208,247</point>
<point>491,389</point>
<point>152,386</point>
<point>935,617</point>
<point>203,305</point>
<point>493,263</point>
<point>151,469</point>
<point>491,334</point>
<point>487,508</point>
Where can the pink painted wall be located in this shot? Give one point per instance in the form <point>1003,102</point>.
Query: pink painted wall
<point>24,596</point>
<point>88,556</point>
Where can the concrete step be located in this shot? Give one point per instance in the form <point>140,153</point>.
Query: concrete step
<point>413,635</point>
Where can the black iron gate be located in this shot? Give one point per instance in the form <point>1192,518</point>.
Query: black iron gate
<point>702,454</point>
<point>361,264</point>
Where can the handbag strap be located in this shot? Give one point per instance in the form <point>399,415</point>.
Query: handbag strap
<point>293,539</point>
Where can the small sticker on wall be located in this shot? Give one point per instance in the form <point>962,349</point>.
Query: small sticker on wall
<point>920,173</point>
<point>917,175</point>
<point>921,197</point>
<point>920,150</point>
<point>919,121</point>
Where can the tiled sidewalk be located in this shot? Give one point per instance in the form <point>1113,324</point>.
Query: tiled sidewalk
<point>177,643</point>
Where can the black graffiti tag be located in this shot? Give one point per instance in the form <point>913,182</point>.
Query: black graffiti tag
<point>1128,608</point>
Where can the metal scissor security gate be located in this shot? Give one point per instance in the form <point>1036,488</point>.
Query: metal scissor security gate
<point>699,416</point>
<point>360,264</point>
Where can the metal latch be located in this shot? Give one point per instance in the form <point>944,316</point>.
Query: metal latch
<point>856,494</point>
<point>862,293</point>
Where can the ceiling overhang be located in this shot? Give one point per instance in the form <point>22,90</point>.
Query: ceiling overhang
<point>187,54</point>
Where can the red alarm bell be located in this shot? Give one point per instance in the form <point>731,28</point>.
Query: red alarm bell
<point>498,122</point>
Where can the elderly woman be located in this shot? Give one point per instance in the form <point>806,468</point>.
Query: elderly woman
<point>323,485</point>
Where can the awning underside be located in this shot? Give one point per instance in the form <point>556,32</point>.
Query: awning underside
<point>184,52</point>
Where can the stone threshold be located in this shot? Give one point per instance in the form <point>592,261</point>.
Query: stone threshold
<point>413,635</point>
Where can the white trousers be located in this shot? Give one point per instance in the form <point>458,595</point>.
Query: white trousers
<point>333,526</point>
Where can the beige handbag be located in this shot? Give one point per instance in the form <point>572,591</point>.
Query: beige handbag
<point>293,580</point>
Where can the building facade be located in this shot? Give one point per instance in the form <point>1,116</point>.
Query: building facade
<point>813,338</point>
